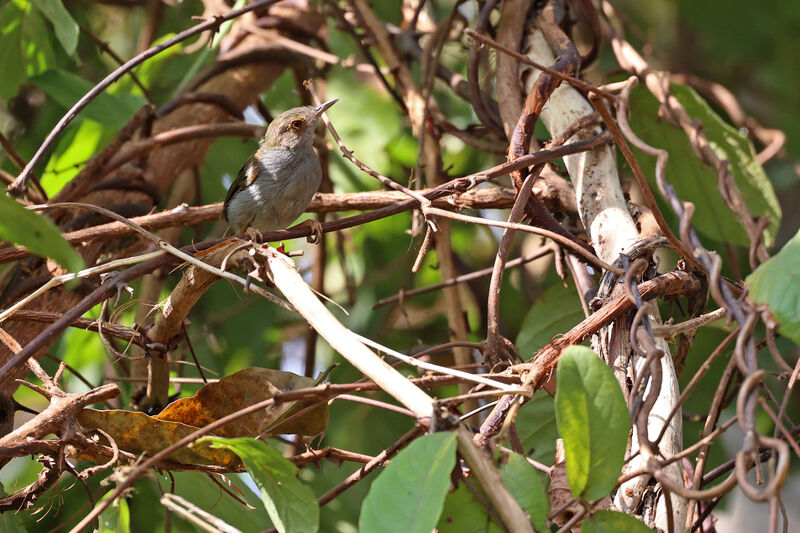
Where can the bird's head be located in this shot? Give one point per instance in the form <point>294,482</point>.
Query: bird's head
<point>295,127</point>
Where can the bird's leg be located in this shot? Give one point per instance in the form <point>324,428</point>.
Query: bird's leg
<point>316,230</point>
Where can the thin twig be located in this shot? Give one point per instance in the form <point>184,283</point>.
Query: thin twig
<point>572,80</point>
<point>105,47</point>
<point>464,278</point>
<point>349,155</point>
<point>476,378</point>
<point>560,239</point>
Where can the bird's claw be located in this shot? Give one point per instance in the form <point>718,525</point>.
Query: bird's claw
<point>315,237</point>
<point>316,232</point>
<point>253,234</point>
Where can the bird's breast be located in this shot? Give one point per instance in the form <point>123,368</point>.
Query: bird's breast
<point>283,188</point>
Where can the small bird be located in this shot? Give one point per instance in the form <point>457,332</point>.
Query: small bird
<point>277,183</point>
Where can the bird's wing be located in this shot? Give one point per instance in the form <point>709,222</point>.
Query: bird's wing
<point>247,175</point>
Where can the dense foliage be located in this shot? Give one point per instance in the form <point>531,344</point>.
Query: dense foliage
<point>554,434</point>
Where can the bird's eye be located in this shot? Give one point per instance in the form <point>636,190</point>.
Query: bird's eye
<point>297,124</point>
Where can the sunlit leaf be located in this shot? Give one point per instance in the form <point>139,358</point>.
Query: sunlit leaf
<point>67,161</point>
<point>243,389</point>
<point>11,61</point>
<point>149,72</point>
<point>25,48</point>
<point>729,144</point>
<point>409,495</point>
<point>139,433</point>
<point>65,26</point>
<point>697,182</point>
<point>290,504</point>
<point>22,226</point>
<point>81,348</point>
<point>404,149</point>
<point>593,421</point>
<point>371,139</point>
<point>776,283</point>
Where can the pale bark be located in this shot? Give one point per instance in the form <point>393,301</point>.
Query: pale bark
<point>612,230</point>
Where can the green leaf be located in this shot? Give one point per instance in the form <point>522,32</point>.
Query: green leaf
<point>696,182</point>
<point>526,486</point>
<point>593,421</point>
<point>71,155</point>
<point>11,63</point>
<point>404,149</point>
<point>65,26</point>
<point>536,425</point>
<point>729,144</point>
<point>112,110</point>
<point>776,283</point>
<point>613,522</point>
<point>150,73</point>
<point>554,312</point>
<point>25,45</point>
<point>205,493</point>
<point>409,495</point>
<point>116,518</point>
<point>290,504</point>
<point>21,226</point>
<point>463,513</point>
<point>10,522</point>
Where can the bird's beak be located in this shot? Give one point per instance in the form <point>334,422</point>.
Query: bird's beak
<point>322,107</point>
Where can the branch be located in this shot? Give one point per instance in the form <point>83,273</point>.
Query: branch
<point>403,294</point>
<point>606,217</point>
<point>505,504</point>
<point>115,330</point>
<point>341,339</point>
<point>484,198</point>
<point>193,284</point>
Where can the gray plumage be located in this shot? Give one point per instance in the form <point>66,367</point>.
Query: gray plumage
<point>277,183</point>
<point>280,192</point>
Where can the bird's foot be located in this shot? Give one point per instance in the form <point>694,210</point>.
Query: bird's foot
<point>316,230</point>
<point>253,234</point>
